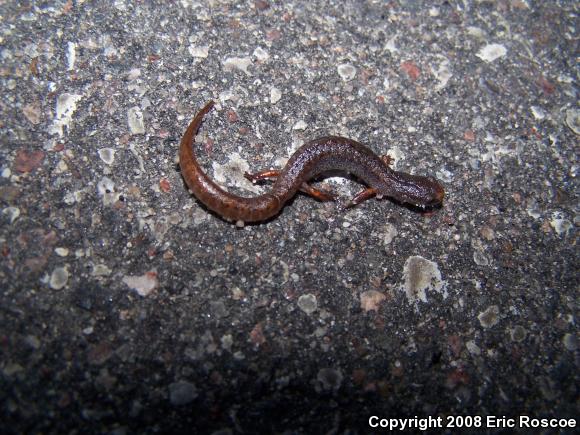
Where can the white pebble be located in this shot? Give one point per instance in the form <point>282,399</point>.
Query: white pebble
<point>200,52</point>
<point>107,155</point>
<point>491,52</point>
<point>58,278</point>
<point>275,95</point>
<point>135,120</point>
<point>237,63</point>
<point>346,71</point>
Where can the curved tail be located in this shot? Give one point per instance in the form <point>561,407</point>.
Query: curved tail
<point>230,207</point>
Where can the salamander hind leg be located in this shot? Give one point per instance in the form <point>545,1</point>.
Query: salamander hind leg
<point>321,195</point>
<point>362,196</point>
<point>262,175</point>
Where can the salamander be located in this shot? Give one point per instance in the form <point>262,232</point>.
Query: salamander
<point>330,153</point>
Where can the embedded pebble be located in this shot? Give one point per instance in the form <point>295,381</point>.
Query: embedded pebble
<point>390,46</point>
<point>181,393</point>
<point>58,278</point>
<point>538,112</point>
<point>143,284</point>
<point>518,333</point>
<point>371,300</point>
<point>101,270</point>
<point>308,303</point>
<point>389,233</point>
<point>71,55</point>
<point>66,104</point>
<point>570,342</point>
<point>133,74</point>
<point>489,317</point>
<point>473,348</point>
<point>135,120</point>
<point>107,155</point>
<point>61,252</point>
<point>12,213</point>
<point>442,72</point>
<point>237,63</point>
<point>106,189</point>
<point>200,52</point>
<point>32,112</point>
<point>275,95</point>
<point>420,275</point>
<point>573,120</point>
<point>105,185</point>
<point>346,71</point>
<point>491,52</point>
<point>560,224</point>
<point>480,258</point>
<point>261,54</point>
<point>300,125</point>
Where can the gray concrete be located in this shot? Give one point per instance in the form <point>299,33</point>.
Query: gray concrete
<point>126,307</point>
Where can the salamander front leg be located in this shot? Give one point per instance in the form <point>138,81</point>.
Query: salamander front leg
<point>362,196</point>
<point>387,159</point>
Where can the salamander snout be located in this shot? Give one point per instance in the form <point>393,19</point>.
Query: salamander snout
<point>438,193</point>
<point>417,190</point>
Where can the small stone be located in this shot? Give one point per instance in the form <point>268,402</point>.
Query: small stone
<point>411,69</point>
<point>27,161</point>
<point>135,120</point>
<point>66,105</point>
<point>421,275</point>
<point>538,112</point>
<point>308,303</point>
<point>237,63</point>
<point>491,52</point>
<point>261,54</point>
<point>473,348</point>
<point>257,337</point>
<point>134,74</point>
<point>480,258</point>
<point>573,120</point>
<point>560,224</point>
<point>71,55</point>
<point>489,317</point>
<point>58,278</point>
<point>570,342</point>
<point>12,213</point>
<point>107,155</point>
<point>200,52</point>
<point>518,334</point>
<point>300,125</point>
<point>371,300</point>
<point>275,95</point>
<point>346,71</point>
<point>143,284</point>
<point>181,393</point>
<point>61,252</point>
<point>106,189</point>
<point>101,270</point>
<point>32,112</point>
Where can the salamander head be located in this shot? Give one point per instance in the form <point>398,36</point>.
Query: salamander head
<point>416,190</point>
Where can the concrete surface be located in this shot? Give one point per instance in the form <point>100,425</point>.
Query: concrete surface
<point>127,308</point>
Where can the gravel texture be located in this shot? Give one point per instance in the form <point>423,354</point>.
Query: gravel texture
<point>126,307</point>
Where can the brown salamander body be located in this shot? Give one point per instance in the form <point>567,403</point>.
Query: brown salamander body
<point>315,157</point>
